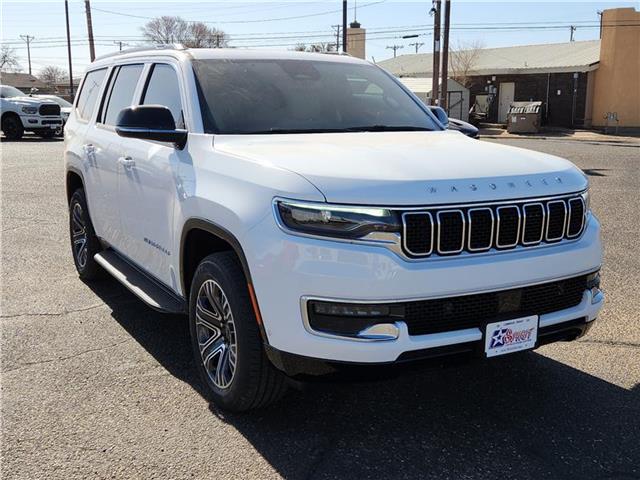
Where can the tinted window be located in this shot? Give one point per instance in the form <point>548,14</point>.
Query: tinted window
<point>89,94</point>
<point>122,90</point>
<point>298,96</point>
<point>8,92</point>
<point>163,89</point>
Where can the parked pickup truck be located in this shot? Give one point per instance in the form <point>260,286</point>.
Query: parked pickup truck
<point>21,113</point>
<point>309,215</point>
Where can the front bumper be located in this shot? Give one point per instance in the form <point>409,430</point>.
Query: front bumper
<point>287,269</point>
<point>37,122</point>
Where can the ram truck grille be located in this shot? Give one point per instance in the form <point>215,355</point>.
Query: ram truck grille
<point>49,109</point>
<point>449,230</point>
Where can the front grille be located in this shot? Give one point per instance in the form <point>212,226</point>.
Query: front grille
<point>51,122</point>
<point>501,226</point>
<point>475,311</point>
<point>49,109</point>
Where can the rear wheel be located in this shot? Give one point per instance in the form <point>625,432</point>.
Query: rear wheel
<point>226,340</point>
<point>84,242</point>
<point>12,127</point>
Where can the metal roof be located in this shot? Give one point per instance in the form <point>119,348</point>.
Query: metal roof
<point>546,58</point>
<point>425,84</point>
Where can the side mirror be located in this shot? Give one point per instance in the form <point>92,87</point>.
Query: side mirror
<point>150,122</point>
<point>441,115</point>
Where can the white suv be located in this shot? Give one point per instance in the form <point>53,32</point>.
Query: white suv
<point>311,216</point>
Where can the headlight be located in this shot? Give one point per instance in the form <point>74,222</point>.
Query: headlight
<point>336,221</point>
<point>586,197</point>
<point>30,110</point>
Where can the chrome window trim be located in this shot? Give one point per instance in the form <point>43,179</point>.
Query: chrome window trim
<point>564,223</point>
<point>524,223</point>
<point>570,215</point>
<point>511,245</point>
<point>462,239</point>
<point>493,223</point>
<point>404,234</point>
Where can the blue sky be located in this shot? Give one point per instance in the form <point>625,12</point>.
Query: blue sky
<point>283,24</point>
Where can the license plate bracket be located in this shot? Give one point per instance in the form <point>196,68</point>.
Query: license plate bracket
<point>510,336</point>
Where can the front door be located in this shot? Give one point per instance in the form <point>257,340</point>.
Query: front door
<point>507,95</point>
<point>149,188</point>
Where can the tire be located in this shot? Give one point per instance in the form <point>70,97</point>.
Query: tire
<point>12,127</point>
<point>84,242</point>
<point>238,376</point>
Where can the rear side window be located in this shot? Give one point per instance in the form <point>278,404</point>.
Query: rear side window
<point>163,89</point>
<point>121,92</point>
<point>89,94</point>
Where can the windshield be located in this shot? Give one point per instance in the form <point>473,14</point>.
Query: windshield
<point>303,96</point>
<point>60,101</point>
<point>8,92</point>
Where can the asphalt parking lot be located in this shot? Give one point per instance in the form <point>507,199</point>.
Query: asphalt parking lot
<point>97,385</point>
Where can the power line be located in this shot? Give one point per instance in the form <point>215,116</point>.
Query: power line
<point>395,48</point>
<point>417,45</point>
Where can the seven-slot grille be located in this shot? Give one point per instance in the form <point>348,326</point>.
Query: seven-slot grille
<point>501,226</point>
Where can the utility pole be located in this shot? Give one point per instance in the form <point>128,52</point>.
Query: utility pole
<point>120,43</point>
<point>92,49</point>
<point>337,27</point>
<point>435,10</point>
<point>66,13</point>
<point>599,12</point>
<point>395,48</point>
<point>573,29</point>
<point>344,26</point>
<point>417,45</point>
<point>445,55</point>
<point>28,38</point>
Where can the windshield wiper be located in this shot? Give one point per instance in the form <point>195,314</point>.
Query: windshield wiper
<point>388,128</point>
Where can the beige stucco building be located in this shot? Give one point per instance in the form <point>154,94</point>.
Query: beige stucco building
<point>615,85</point>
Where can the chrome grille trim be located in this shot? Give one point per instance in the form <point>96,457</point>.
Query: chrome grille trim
<point>404,233</point>
<point>570,216</point>
<point>543,228</point>
<point>510,245</point>
<point>561,203</point>
<point>564,221</point>
<point>493,223</point>
<point>462,237</point>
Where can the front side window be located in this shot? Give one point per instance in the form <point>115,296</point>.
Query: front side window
<point>303,96</point>
<point>89,94</point>
<point>163,89</point>
<point>121,93</point>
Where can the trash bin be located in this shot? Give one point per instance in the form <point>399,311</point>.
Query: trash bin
<point>524,117</point>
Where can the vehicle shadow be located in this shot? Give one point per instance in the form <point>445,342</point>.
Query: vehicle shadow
<point>526,416</point>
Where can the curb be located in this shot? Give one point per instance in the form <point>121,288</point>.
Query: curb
<point>620,143</point>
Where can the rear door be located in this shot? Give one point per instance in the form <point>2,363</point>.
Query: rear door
<point>149,185</point>
<point>105,144</point>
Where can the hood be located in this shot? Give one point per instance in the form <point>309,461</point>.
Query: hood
<point>409,168</point>
<point>26,101</point>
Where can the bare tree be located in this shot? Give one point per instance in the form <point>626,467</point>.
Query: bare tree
<point>9,59</point>
<point>169,29</point>
<point>52,75</point>
<point>463,60</point>
<point>321,47</point>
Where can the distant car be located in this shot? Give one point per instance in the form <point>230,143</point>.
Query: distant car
<point>21,113</point>
<point>65,108</point>
<point>453,123</point>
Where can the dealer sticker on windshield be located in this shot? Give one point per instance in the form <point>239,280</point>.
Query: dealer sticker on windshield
<point>511,336</point>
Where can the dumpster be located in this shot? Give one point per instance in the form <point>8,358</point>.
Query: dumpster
<point>524,117</point>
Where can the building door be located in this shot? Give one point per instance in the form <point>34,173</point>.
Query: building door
<point>507,94</point>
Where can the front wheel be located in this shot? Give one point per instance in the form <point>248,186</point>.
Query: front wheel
<point>12,127</point>
<point>226,340</point>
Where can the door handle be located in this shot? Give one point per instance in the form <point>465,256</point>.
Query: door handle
<point>126,162</point>
<point>88,148</point>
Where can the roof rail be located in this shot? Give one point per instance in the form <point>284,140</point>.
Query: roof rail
<point>161,46</point>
